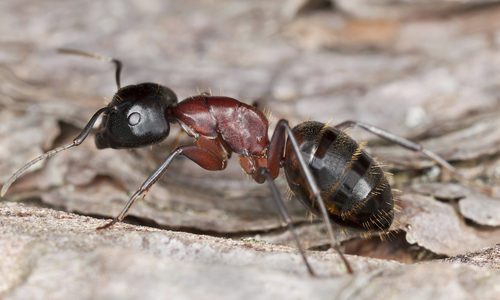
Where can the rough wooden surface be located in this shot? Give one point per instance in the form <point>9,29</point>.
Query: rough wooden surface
<point>56,255</point>
<point>433,77</point>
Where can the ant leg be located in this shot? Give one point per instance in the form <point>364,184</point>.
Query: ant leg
<point>405,143</point>
<point>202,157</point>
<point>144,187</point>
<point>276,147</point>
<point>76,142</point>
<point>316,192</point>
<point>285,215</point>
<point>118,64</point>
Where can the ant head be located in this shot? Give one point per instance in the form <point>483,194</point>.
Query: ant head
<point>136,117</point>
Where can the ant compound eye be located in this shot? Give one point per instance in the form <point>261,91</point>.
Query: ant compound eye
<point>134,118</point>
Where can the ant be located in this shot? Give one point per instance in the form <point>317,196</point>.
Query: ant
<point>325,168</point>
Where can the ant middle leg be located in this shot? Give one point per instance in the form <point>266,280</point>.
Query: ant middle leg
<point>285,215</point>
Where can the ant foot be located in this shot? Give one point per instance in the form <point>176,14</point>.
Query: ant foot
<point>107,225</point>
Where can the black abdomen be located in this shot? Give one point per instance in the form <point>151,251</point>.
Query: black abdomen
<point>353,186</point>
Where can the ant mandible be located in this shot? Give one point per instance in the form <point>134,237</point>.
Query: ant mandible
<point>325,168</point>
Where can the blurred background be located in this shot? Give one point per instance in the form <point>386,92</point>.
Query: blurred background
<point>426,70</point>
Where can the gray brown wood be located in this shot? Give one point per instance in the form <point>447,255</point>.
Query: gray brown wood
<point>433,78</point>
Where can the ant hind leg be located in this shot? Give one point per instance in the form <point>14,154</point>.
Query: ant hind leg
<point>405,143</point>
<point>398,140</point>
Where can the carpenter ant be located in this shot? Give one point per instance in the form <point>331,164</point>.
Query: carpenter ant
<point>325,168</point>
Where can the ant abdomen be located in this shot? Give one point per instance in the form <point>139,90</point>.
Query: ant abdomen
<point>354,187</point>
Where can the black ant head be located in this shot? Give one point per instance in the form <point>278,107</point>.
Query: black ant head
<point>136,117</point>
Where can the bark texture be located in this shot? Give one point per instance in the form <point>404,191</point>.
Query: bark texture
<point>426,70</point>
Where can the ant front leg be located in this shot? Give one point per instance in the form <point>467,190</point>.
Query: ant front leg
<point>275,156</point>
<point>204,158</point>
<point>144,187</point>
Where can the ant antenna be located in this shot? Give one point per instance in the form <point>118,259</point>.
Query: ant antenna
<point>115,61</point>
<point>77,141</point>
